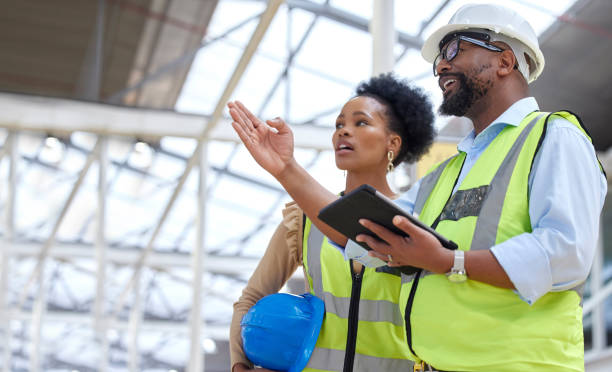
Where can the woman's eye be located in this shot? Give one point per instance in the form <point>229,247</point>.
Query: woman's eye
<point>339,125</point>
<point>362,122</point>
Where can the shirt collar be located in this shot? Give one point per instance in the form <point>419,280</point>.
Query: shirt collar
<point>512,116</point>
<point>517,112</point>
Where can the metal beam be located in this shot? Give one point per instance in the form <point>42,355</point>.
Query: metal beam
<point>196,359</point>
<point>91,74</point>
<point>173,65</point>
<point>42,256</point>
<point>100,248</point>
<point>11,146</point>
<point>256,38</point>
<point>426,23</point>
<point>383,33</point>
<point>350,19</point>
<point>64,116</point>
<point>215,331</point>
<point>224,265</point>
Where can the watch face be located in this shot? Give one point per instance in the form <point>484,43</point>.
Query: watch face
<point>457,277</point>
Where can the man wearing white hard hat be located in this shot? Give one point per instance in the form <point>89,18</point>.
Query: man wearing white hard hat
<point>522,200</point>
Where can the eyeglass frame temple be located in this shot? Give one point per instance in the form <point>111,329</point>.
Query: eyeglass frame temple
<point>480,43</point>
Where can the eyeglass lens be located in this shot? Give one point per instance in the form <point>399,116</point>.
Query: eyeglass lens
<point>448,53</point>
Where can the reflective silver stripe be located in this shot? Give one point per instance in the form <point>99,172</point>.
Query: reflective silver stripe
<point>407,278</point>
<point>369,310</point>
<point>333,360</point>
<point>485,233</point>
<point>315,241</point>
<point>427,185</point>
<point>326,359</point>
<point>426,273</point>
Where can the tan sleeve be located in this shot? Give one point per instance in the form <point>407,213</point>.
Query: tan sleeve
<point>279,262</point>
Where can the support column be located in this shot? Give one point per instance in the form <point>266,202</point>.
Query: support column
<point>98,309</point>
<point>134,328</point>
<point>11,146</point>
<point>38,313</point>
<point>384,37</point>
<point>196,356</point>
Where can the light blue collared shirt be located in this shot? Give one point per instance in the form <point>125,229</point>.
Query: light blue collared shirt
<point>566,196</point>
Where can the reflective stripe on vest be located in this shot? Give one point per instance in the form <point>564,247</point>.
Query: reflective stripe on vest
<point>493,329</point>
<point>381,340</point>
<point>427,184</point>
<point>332,360</point>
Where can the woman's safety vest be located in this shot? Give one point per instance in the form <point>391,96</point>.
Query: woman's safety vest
<point>363,329</point>
<point>473,326</point>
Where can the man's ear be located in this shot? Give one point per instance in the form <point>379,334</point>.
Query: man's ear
<point>506,62</point>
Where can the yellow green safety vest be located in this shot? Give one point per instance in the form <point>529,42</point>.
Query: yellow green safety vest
<point>474,326</point>
<point>363,329</point>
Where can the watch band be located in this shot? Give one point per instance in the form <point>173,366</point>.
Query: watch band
<point>458,273</point>
<point>459,264</point>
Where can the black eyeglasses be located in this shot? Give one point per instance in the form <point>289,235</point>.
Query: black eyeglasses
<point>452,48</point>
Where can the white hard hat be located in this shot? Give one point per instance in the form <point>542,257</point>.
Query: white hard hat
<point>503,22</point>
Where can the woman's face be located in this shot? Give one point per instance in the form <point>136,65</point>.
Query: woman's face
<point>362,138</point>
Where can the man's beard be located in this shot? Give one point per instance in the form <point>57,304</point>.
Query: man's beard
<point>466,95</point>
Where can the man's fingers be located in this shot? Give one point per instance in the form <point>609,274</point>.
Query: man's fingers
<point>408,227</point>
<point>375,244</point>
<point>381,231</point>
<point>380,256</point>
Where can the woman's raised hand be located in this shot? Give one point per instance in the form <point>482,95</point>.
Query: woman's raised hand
<point>270,143</point>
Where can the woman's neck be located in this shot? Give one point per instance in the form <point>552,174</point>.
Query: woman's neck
<point>376,180</point>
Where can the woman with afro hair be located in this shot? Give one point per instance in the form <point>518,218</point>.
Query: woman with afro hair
<point>387,122</point>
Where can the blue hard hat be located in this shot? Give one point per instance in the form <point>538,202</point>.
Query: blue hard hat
<point>280,331</point>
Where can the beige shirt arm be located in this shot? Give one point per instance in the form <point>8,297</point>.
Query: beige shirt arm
<point>279,262</point>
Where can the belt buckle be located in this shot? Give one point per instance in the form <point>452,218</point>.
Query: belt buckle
<point>419,366</point>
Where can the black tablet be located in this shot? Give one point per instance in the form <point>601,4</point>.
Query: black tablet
<point>365,202</point>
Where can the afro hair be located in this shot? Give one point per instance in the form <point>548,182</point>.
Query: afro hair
<point>409,113</point>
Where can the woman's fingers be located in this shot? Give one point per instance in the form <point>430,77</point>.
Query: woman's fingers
<point>248,114</point>
<point>280,125</point>
<point>242,133</point>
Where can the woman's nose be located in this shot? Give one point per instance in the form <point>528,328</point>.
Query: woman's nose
<point>344,131</point>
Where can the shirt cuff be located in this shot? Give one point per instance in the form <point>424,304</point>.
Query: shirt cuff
<point>339,247</point>
<point>526,265</point>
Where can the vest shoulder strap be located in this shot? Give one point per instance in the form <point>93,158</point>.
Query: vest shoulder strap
<point>577,121</point>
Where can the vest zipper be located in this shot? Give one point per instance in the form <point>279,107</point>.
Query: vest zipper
<point>353,318</point>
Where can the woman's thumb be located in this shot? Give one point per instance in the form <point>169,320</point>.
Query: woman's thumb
<point>276,123</point>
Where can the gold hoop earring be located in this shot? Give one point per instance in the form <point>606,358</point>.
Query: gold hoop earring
<point>390,158</point>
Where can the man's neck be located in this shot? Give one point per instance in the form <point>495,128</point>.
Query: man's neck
<point>496,102</point>
<point>491,106</point>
